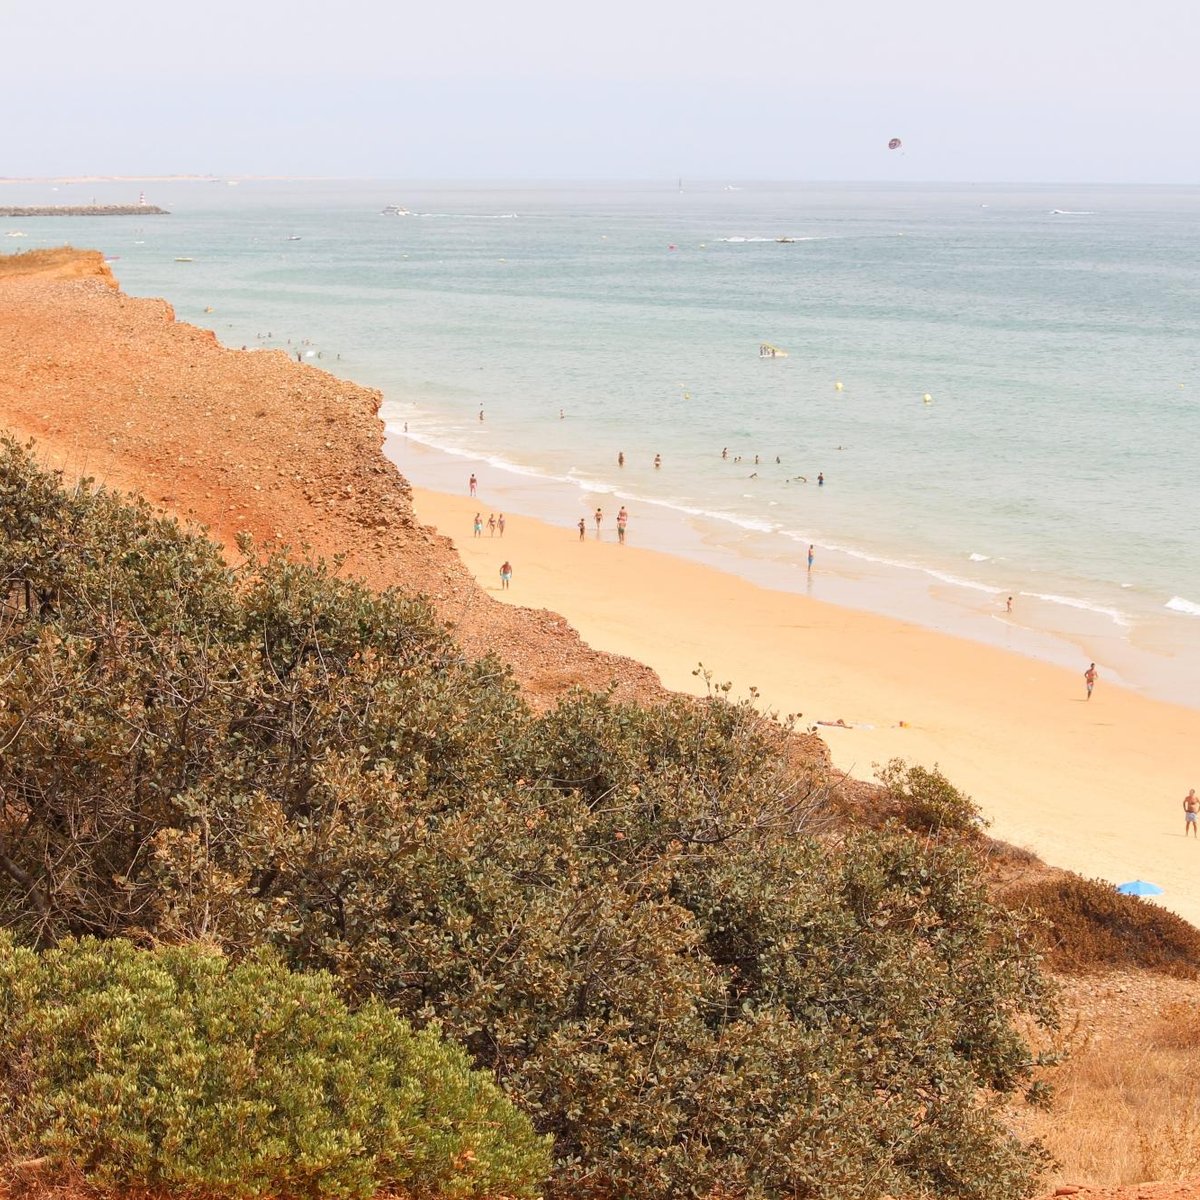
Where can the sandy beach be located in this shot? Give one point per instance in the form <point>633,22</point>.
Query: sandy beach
<point>1094,786</point>
<point>115,387</point>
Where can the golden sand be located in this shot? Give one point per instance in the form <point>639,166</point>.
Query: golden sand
<point>1095,786</point>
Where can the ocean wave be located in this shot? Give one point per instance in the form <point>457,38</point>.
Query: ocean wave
<point>750,523</point>
<point>1114,614</point>
<point>576,479</point>
<point>469,216</point>
<point>958,581</point>
<point>1071,212</point>
<point>899,564</point>
<point>738,239</point>
<point>491,460</point>
<point>1179,604</point>
<point>980,557</point>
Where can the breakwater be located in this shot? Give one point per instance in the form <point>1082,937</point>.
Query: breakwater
<point>86,210</point>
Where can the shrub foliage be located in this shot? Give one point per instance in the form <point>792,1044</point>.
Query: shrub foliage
<point>1090,926</point>
<point>623,912</point>
<point>175,1070</point>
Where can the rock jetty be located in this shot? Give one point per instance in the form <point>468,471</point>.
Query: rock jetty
<point>86,210</point>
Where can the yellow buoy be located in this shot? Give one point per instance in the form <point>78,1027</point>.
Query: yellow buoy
<point>927,398</point>
<point>837,387</point>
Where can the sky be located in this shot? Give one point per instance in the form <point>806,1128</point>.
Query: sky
<point>1018,90</point>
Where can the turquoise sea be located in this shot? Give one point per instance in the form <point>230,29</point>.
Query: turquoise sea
<point>1053,329</point>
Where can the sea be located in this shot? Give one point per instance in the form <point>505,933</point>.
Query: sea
<point>955,394</point>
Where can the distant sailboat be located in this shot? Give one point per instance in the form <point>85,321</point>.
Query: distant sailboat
<point>681,183</point>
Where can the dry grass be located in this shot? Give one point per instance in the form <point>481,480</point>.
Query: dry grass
<point>63,262</point>
<point>1127,1104</point>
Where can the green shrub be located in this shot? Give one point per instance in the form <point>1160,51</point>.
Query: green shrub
<point>625,913</point>
<point>1089,925</point>
<point>926,802</point>
<point>177,1070</point>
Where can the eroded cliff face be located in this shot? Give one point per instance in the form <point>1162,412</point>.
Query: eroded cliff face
<point>247,441</point>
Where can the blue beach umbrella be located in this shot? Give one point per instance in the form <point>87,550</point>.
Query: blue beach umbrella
<point>1139,887</point>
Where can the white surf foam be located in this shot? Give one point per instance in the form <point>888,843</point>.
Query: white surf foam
<point>1179,604</point>
<point>1114,614</point>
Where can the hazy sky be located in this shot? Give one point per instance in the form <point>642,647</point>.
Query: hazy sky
<point>766,89</point>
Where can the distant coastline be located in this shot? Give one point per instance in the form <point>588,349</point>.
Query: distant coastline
<point>85,210</point>
<point>68,179</point>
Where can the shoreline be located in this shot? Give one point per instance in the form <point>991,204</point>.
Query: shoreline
<point>1050,629</point>
<point>1092,786</point>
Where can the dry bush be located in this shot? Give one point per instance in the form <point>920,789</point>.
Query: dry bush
<point>1091,926</point>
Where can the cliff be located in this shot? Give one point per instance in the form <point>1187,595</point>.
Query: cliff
<point>247,441</point>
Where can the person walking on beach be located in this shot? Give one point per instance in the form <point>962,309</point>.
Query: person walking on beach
<point>810,557</point>
<point>1089,677</point>
<point>657,461</point>
<point>1191,806</point>
<point>505,574</point>
<point>479,524</point>
<point>622,521</point>
<point>1008,605</point>
<point>582,528</point>
<point>620,458</point>
<point>473,484</point>
<point>491,524</point>
<point>598,518</point>
<point>820,479</point>
<point>500,524</point>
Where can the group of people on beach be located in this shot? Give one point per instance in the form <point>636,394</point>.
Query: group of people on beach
<point>598,517</point>
<point>494,523</point>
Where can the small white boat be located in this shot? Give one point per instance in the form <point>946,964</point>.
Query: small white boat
<point>395,210</point>
<point>295,237</point>
<point>766,350</point>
